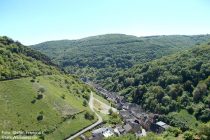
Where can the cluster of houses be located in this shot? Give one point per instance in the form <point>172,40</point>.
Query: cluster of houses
<point>136,120</point>
<point>110,96</point>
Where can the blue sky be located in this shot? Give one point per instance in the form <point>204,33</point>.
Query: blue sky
<point>35,21</point>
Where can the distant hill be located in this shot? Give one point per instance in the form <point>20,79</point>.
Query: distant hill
<point>36,96</point>
<point>98,57</point>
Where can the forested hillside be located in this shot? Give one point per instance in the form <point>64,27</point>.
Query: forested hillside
<point>18,61</point>
<point>100,56</point>
<point>172,83</point>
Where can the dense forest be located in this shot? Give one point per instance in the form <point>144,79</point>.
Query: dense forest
<point>98,57</point>
<point>18,61</point>
<point>172,83</point>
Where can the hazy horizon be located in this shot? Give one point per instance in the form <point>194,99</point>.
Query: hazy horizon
<point>112,34</point>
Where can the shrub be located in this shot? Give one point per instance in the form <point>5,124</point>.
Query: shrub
<point>86,96</point>
<point>85,103</point>
<point>89,116</point>
<point>63,96</point>
<point>42,90</point>
<point>40,117</point>
<point>66,81</point>
<point>173,131</point>
<point>204,131</point>
<point>110,111</point>
<point>33,101</point>
<point>190,109</point>
<point>188,135</point>
<point>73,117</point>
<point>39,97</point>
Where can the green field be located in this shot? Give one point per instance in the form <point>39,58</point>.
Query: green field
<point>23,109</point>
<point>97,96</point>
<point>70,127</point>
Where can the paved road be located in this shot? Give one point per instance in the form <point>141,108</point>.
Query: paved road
<point>91,126</point>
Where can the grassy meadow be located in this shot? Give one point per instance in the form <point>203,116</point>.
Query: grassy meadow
<point>48,104</point>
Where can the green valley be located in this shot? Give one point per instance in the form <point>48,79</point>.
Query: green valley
<point>167,75</point>
<point>105,70</point>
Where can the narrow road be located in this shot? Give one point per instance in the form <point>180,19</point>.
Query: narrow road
<point>91,126</point>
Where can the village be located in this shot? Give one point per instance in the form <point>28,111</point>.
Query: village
<point>135,119</point>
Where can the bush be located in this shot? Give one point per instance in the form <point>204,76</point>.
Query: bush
<point>85,103</point>
<point>66,81</point>
<point>89,116</point>
<point>190,109</point>
<point>188,135</point>
<point>33,101</point>
<point>40,117</point>
<point>173,131</point>
<point>63,96</point>
<point>42,90</point>
<point>39,97</point>
<point>110,111</point>
<point>114,118</point>
<point>73,117</point>
<point>86,96</point>
<point>204,131</point>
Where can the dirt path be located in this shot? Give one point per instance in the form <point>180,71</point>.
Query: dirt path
<point>102,107</point>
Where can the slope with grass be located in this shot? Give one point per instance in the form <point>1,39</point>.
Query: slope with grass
<point>36,97</point>
<point>50,104</point>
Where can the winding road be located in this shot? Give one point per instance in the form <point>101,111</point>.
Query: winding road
<point>100,120</point>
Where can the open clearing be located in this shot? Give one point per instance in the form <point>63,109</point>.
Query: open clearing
<point>102,107</point>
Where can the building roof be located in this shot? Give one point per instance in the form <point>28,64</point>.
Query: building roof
<point>163,125</point>
<point>166,126</point>
<point>96,137</point>
<point>127,127</point>
<point>126,105</point>
<point>160,123</point>
<point>99,130</point>
<point>102,130</point>
<point>124,113</point>
<point>121,130</point>
<point>108,133</point>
